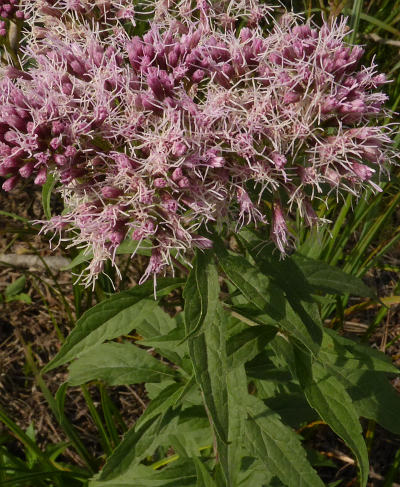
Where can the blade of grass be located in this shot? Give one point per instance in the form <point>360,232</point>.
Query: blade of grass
<point>103,437</point>
<point>21,436</point>
<point>393,470</point>
<point>108,415</point>
<point>58,412</point>
<point>375,21</point>
<point>355,20</point>
<point>355,265</point>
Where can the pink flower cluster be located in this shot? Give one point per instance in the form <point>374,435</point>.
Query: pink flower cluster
<point>88,10</point>
<point>197,122</point>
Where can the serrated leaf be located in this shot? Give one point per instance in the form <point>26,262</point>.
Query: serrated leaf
<point>136,444</point>
<point>206,327</point>
<point>277,446</point>
<point>244,346</point>
<point>156,323</point>
<point>329,398</point>
<point>118,364</point>
<point>292,408</point>
<point>179,473</point>
<point>253,473</point>
<point>373,396</point>
<point>348,354</point>
<point>193,432</point>
<point>167,398</point>
<point>209,362</point>
<point>257,287</point>
<point>200,293</point>
<point>115,316</point>
<point>275,303</point>
<point>326,278</point>
<point>236,381</point>
<point>165,334</point>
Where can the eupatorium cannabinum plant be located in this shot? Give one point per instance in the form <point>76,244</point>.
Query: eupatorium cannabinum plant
<point>174,125</point>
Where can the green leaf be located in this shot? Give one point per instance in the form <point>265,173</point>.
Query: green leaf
<point>156,323</point>
<point>244,346</point>
<point>257,287</point>
<point>168,397</point>
<point>236,381</point>
<point>179,473</point>
<point>47,189</point>
<point>201,293</point>
<point>115,316</point>
<point>22,297</point>
<point>208,354</point>
<point>279,301</point>
<point>204,478</point>
<point>165,334</point>
<point>323,277</point>
<point>373,396</point>
<point>277,446</point>
<point>206,327</point>
<point>15,287</point>
<point>329,398</point>
<point>292,408</point>
<point>348,354</point>
<point>253,473</point>
<point>193,433</point>
<point>136,444</point>
<point>118,364</point>
<point>300,324</point>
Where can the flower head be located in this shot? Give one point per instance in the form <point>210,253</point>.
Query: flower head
<point>197,122</point>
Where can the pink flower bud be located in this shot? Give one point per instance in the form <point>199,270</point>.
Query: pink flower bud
<point>27,170</point>
<point>278,159</point>
<point>60,160</point>
<point>198,75</point>
<point>179,149</point>
<point>279,228</point>
<point>362,171</point>
<point>184,182</point>
<point>110,192</point>
<point>177,174</point>
<point>160,183</point>
<point>10,183</point>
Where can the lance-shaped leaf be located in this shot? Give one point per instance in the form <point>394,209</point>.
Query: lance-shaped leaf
<point>329,398</point>
<point>326,278</point>
<point>118,364</point>
<point>245,345</point>
<point>348,354</point>
<point>179,473</point>
<point>204,478</point>
<point>372,394</point>
<point>274,307</point>
<point>47,190</point>
<point>111,318</point>
<point>206,327</point>
<point>277,446</point>
<point>137,443</point>
<point>201,293</point>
